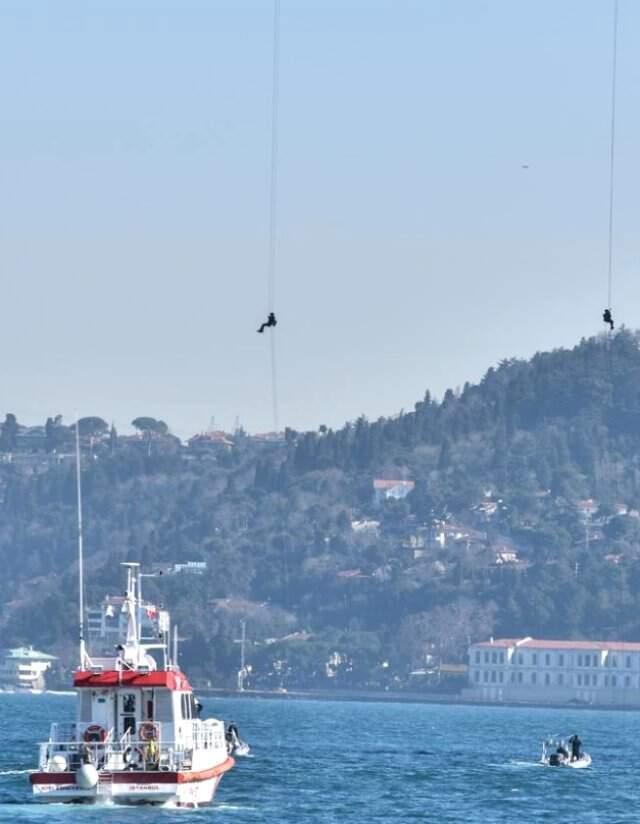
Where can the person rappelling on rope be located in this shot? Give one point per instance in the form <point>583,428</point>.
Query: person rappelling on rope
<point>607,317</point>
<point>271,321</point>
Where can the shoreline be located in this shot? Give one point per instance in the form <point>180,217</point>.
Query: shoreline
<point>380,697</point>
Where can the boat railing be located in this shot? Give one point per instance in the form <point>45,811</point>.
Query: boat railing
<point>67,752</point>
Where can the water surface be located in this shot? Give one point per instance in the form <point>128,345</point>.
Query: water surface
<point>355,763</point>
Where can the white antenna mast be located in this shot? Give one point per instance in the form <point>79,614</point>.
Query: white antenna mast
<point>83,651</point>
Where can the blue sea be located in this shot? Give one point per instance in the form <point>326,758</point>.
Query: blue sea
<point>356,763</point>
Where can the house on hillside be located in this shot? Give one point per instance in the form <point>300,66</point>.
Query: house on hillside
<point>268,439</point>
<point>384,490</point>
<point>216,441</point>
<point>24,668</point>
<point>587,508</point>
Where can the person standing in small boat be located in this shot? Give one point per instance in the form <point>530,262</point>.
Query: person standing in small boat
<point>576,744</point>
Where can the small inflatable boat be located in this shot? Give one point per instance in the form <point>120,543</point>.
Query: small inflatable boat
<point>235,744</point>
<point>555,754</point>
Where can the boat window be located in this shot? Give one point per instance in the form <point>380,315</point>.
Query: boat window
<point>628,662</point>
<point>579,660</point>
<point>547,679</point>
<point>129,713</point>
<point>493,676</point>
<point>579,680</point>
<point>560,678</point>
<point>519,678</point>
<point>486,657</point>
<point>500,677</point>
<point>547,659</point>
<point>163,707</point>
<point>535,659</point>
<point>85,706</point>
<point>486,675</point>
<point>494,657</point>
<point>477,657</point>
<point>533,678</point>
<point>561,660</point>
<point>627,680</point>
<point>614,681</point>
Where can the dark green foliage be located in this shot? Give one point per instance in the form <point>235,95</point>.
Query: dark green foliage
<point>413,578</point>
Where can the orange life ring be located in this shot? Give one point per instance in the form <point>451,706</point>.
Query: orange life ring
<point>95,734</point>
<point>148,731</point>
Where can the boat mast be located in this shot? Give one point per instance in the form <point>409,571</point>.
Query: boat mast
<point>83,651</point>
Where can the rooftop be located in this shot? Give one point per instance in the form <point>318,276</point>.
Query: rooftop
<point>28,654</point>
<point>538,643</point>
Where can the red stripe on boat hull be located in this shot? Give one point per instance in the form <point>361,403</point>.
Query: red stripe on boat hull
<point>139,777</point>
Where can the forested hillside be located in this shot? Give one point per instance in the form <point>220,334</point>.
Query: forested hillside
<point>355,556</point>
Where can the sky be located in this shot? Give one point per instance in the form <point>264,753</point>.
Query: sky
<point>413,249</point>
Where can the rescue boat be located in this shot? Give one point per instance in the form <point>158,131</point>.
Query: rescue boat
<point>138,737</point>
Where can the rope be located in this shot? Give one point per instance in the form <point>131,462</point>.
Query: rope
<point>273,175</point>
<point>273,201</point>
<point>612,147</point>
<point>274,382</point>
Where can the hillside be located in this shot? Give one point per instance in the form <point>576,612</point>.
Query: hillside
<point>357,555</point>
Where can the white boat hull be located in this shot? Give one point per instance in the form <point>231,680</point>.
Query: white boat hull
<point>184,789</point>
<point>579,764</point>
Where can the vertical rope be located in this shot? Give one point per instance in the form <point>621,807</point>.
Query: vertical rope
<point>612,148</point>
<point>274,382</point>
<point>273,202</point>
<point>273,174</point>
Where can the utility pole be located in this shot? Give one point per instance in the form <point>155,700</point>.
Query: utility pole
<point>242,672</point>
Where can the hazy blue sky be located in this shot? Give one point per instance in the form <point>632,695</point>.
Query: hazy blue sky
<point>414,251</point>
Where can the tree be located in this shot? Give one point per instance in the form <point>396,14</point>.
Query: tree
<point>92,427</point>
<point>149,425</point>
<point>9,433</point>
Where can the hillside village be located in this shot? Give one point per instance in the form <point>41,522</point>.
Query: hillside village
<point>369,556</point>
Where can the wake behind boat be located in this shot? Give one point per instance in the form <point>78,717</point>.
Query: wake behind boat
<point>556,754</point>
<point>138,736</point>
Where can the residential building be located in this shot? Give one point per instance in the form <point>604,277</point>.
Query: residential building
<point>107,624</point>
<point>533,670</point>
<point>23,668</point>
<point>397,490</point>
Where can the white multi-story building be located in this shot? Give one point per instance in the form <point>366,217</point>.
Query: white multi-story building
<point>528,669</point>
<point>23,668</point>
<point>107,624</point>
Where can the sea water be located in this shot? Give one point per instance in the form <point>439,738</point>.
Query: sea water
<point>355,763</point>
